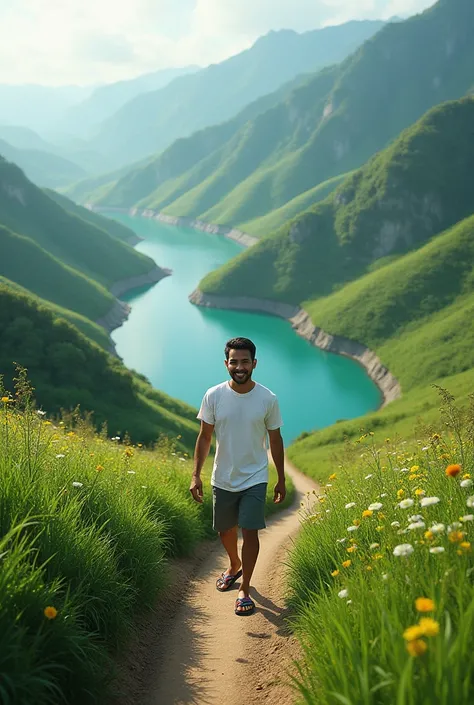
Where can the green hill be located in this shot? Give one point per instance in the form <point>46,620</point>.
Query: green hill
<point>152,121</point>
<point>414,189</point>
<point>66,370</point>
<point>44,168</point>
<point>77,242</point>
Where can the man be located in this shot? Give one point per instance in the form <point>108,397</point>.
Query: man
<point>241,412</point>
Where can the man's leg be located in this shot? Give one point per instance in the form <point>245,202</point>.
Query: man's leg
<point>251,519</point>
<point>250,549</point>
<point>229,541</point>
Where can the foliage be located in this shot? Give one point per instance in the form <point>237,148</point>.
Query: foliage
<point>381,573</point>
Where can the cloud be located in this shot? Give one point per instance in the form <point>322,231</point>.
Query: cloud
<point>86,41</point>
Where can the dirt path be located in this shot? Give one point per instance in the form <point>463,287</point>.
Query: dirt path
<point>209,655</point>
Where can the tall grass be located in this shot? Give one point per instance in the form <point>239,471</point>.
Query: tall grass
<point>86,528</point>
<point>393,524</point>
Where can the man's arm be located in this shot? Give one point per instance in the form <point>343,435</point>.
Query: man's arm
<point>203,445</point>
<point>278,455</point>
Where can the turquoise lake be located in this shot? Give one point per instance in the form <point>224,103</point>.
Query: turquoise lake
<point>180,347</point>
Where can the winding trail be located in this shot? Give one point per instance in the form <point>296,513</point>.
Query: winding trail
<point>208,655</point>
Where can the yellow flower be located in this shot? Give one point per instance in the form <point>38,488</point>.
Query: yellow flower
<point>6,400</point>
<point>444,456</point>
<point>333,476</point>
<point>429,626</point>
<point>346,564</point>
<point>351,549</point>
<point>453,470</point>
<point>419,492</point>
<point>414,468</point>
<point>369,567</point>
<point>456,536</point>
<point>50,612</point>
<point>379,528</point>
<point>429,535</point>
<point>465,545</point>
<point>400,493</point>
<point>413,633</point>
<point>99,468</point>
<point>128,453</point>
<point>335,573</point>
<point>466,476</point>
<point>356,522</point>
<point>416,647</point>
<point>424,604</point>
<point>322,499</point>
<point>381,515</point>
<point>378,557</point>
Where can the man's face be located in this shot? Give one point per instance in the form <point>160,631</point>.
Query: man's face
<point>240,365</point>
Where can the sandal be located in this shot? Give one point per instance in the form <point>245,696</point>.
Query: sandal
<point>225,582</point>
<point>244,602</point>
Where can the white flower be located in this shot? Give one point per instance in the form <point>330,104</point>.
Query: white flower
<point>455,526</point>
<point>41,413</point>
<point>327,511</point>
<point>341,540</point>
<point>416,525</point>
<point>403,549</point>
<point>367,477</point>
<point>352,528</point>
<point>343,593</point>
<point>373,546</point>
<point>437,549</point>
<point>328,484</point>
<point>131,472</point>
<point>470,502</point>
<point>395,524</point>
<point>115,438</point>
<point>375,506</point>
<point>401,532</point>
<point>415,517</point>
<point>383,495</point>
<point>144,487</point>
<point>77,484</point>
<point>350,505</point>
<point>60,455</point>
<point>468,517</point>
<point>183,460</point>
<point>406,503</point>
<point>425,448</point>
<point>385,576</point>
<point>429,501</point>
<point>349,602</point>
<point>466,483</point>
<point>437,528</point>
<point>404,470</point>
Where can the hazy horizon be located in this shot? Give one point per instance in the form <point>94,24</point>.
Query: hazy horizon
<point>73,43</point>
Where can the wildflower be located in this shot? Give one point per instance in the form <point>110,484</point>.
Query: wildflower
<point>367,513</point>
<point>373,546</point>
<point>437,549</point>
<point>40,413</point>
<point>6,400</point>
<point>437,528</point>
<point>385,576</point>
<point>403,550</point>
<point>335,573</point>
<point>435,437</point>
<point>350,505</point>
<point>425,448</point>
<point>333,476</point>
<point>404,470</point>
<point>378,557</point>
<point>470,502</point>
<point>453,470</point>
<point>416,525</point>
<point>466,483</point>
<point>78,484</point>
<point>417,647</point>
<point>429,535</point>
<point>343,593</point>
<point>424,604</point>
<point>99,468</point>
<point>466,476</point>
<point>50,612</point>
<point>131,472</point>
<point>375,507</point>
<point>367,477</point>
<point>352,549</point>
<point>429,501</point>
<point>346,564</point>
<point>395,524</point>
<point>356,522</point>
<point>415,517</point>
<point>467,517</point>
<point>420,493</point>
<point>341,540</point>
<point>455,526</point>
<point>465,545</point>
<point>412,633</point>
<point>400,493</point>
<point>406,503</point>
<point>369,567</point>
<point>60,455</point>
<point>384,494</point>
<point>456,536</point>
<point>429,626</point>
<point>349,602</point>
<point>379,528</point>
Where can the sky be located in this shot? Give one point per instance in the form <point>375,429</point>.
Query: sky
<point>87,42</point>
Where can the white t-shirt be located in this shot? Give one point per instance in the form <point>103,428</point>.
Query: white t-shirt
<point>241,422</point>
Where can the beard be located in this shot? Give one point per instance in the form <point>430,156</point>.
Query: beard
<point>241,379</point>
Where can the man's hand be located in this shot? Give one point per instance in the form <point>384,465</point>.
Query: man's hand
<point>279,493</point>
<point>196,489</point>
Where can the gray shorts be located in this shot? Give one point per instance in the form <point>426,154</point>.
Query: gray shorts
<point>245,509</point>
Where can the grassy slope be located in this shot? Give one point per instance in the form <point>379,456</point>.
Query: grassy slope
<point>67,369</point>
<point>114,228</point>
<point>403,196</point>
<point>275,219</point>
<point>29,265</point>
<point>26,209</point>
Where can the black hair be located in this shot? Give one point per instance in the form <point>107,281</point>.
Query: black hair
<point>240,344</point>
